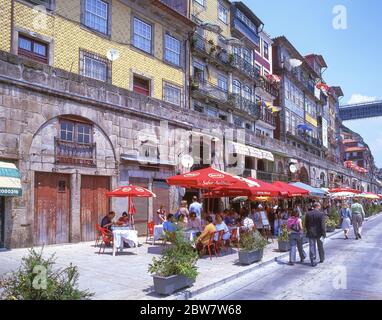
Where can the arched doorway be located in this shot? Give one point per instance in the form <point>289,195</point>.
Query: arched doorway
<point>304,176</point>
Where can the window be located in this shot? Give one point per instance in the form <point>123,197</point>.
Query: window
<point>223,83</point>
<point>31,48</point>
<point>96,15</point>
<point>141,86</point>
<point>247,93</point>
<point>94,66</point>
<point>142,35</point>
<point>266,50</point>
<point>258,68</point>
<point>67,131</point>
<point>71,131</point>
<point>222,13</point>
<point>198,71</point>
<point>46,3</point>
<point>201,2</point>
<point>172,94</point>
<point>172,50</point>
<point>236,86</point>
<point>247,56</point>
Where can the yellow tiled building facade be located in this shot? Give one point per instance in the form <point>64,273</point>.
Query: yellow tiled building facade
<point>66,34</point>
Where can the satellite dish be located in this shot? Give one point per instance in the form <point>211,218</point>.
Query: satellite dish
<point>295,63</point>
<point>112,54</point>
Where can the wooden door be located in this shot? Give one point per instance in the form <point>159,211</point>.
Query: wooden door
<point>141,205</point>
<point>52,208</point>
<point>94,204</point>
<point>162,191</point>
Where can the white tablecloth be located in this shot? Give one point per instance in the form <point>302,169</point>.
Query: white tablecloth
<point>158,232</point>
<point>124,235</point>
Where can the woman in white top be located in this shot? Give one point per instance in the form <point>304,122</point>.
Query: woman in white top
<point>220,225</point>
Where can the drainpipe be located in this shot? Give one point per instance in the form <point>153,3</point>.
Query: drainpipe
<point>12,23</point>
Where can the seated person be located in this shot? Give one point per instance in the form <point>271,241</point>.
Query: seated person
<point>229,220</point>
<point>220,225</point>
<point>107,220</point>
<point>247,223</point>
<point>124,220</point>
<point>194,222</point>
<point>182,221</point>
<point>204,238</point>
<point>169,225</point>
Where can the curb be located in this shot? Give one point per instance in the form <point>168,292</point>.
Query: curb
<point>187,294</point>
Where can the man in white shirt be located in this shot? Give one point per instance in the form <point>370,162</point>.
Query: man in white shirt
<point>196,207</point>
<point>248,224</point>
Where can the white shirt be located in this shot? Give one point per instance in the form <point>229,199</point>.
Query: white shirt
<point>222,226</point>
<point>248,223</point>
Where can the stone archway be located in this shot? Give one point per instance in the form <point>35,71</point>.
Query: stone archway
<point>304,175</point>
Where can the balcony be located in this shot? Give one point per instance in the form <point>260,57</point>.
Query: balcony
<point>72,153</point>
<point>306,138</point>
<point>241,27</point>
<point>267,86</point>
<point>179,6</point>
<point>245,67</point>
<point>244,105</point>
<point>213,53</point>
<point>266,176</point>
<point>267,116</point>
<point>201,88</point>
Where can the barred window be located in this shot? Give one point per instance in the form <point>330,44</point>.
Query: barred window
<point>142,35</point>
<point>94,66</point>
<point>172,94</point>
<point>172,50</point>
<point>96,15</point>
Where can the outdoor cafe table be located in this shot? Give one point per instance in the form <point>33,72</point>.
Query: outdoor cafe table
<point>189,234</point>
<point>124,234</point>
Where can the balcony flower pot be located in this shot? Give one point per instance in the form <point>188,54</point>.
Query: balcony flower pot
<point>249,257</point>
<point>284,246</point>
<point>171,284</point>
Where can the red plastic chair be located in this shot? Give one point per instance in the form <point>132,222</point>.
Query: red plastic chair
<point>98,235</point>
<point>211,244</point>
<point>234,238</point>
<point>107,239</point>
<point>150,231</point>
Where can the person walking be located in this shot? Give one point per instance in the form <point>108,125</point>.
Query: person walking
<point>358,216</point>
<point>196,207</point>
<point>294,226</point>
<point>316,232</point>
<point>346,219</point>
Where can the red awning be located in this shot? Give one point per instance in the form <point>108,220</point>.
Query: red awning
<point>291,190</point>
<point>345,189</point>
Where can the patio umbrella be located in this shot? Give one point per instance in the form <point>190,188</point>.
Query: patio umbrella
<point>131,192</point>
<point>345,189</point>
<point>342,195</point>
<point>292,191</point>
<point>314,192</point>
<point>369,195</point>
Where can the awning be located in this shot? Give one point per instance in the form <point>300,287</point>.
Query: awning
<point>314,192</point>
<point>304,126</point>
<point>146,160</point>
<point>240,148</point>
<point>10,180</point>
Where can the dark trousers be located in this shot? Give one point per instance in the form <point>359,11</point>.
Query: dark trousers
<point>313,243</point>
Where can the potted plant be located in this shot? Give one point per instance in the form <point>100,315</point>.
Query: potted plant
<point>335,216</point>
<point>213,46</point>
<point>330,225</point>
<point>252,245</point>
<point>283,239</point>
<point>176,268</point>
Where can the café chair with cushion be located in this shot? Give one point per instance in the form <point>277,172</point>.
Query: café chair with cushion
<point>98,235</point>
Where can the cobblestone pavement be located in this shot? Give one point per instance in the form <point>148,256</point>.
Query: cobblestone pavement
<point>352,270</point>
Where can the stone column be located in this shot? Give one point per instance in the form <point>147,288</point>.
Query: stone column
<point>75,207</point>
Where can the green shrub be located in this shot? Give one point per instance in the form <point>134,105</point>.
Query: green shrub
<point>335,215</point>
<point>178,259</point>
<point>36,280</point>
<point>330,223</point>
<point>252,240</point>
<point>284,235</point>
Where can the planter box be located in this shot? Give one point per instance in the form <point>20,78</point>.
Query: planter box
<point>249,257</point>
<point>284,246</point>
<point>168,285</point>
<point>330,229</point>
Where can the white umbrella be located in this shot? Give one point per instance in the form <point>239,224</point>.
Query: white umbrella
<point>342,195</point>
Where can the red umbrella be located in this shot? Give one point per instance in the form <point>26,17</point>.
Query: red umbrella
<point>345,189</point>
<point>207,178</point>
<point>292,191</point>
<point>131,191</point>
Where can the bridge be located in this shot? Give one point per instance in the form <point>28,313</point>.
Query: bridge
<point>361,110</point>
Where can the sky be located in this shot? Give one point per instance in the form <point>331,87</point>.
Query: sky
<point>348,33</point>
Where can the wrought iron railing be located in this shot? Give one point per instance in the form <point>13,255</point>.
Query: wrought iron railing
<point>245,67</point>
<point>205,88</point>
<point>267,116</point>
<point>83,154</point>
<point>244,104</point>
